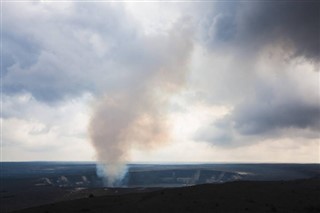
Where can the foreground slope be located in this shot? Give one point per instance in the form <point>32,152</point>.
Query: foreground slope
<point>241,196</point>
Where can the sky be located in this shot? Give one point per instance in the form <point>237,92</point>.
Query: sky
<point>206,81</point>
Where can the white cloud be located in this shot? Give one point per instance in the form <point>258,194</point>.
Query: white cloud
<point>37,129</point>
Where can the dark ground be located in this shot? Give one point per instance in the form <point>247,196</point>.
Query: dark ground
<point>240,196</point>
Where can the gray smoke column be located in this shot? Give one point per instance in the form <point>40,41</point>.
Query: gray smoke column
<point>134,116</point>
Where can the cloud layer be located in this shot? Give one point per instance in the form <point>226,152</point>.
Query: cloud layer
<point>126,69</point>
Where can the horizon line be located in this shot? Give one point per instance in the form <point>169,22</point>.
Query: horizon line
<point>158,162</point>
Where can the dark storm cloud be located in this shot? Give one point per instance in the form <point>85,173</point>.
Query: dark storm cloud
<point>252,25</point>
<point>259,36</point>
<point>263,118</point>
<point>64,54</point>
<point>298,21</point>
<point>18,48</point>
<point>265,115</point>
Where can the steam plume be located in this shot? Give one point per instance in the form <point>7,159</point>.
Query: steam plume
<point>135,115</point>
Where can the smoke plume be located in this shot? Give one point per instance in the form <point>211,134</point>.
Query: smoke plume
<point>134,116</point>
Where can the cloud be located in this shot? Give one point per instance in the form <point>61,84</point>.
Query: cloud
<point>283,103</point>
<point>68,50</point>
<point>259,59</point>
<point>250,26</point>
<point>33,130</point>
<point>255,59</point>
<point>96,49</point>
<point>262,117</point>
<point>255,121</point>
